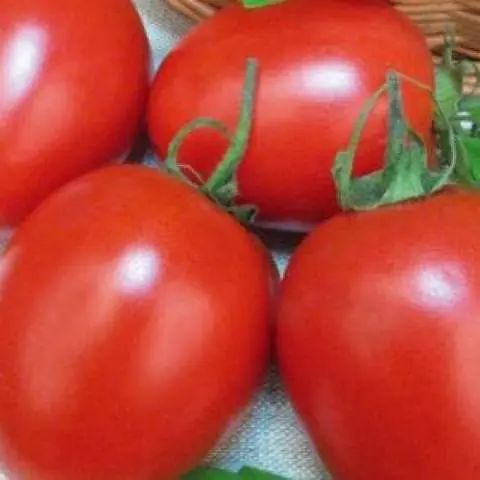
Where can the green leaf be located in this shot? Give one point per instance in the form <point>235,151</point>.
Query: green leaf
<point>461,115</point>
<point>450,76</point>
<point>470,107</point>
<point>448,91</point>
<point>471,150</point>
<point>259,3</point>
<point>246,473</point>
<point>204,473</point>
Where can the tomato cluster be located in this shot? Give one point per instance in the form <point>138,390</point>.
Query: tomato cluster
<point>137,306</point>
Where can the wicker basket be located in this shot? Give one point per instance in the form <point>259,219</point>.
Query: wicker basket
<point>432,16</point>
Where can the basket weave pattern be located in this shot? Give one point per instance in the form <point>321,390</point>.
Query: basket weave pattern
<point>433,17</point>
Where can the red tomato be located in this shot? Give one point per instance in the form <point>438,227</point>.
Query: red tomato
<point>73,85</point>
<point>379,340</point>
<point>319,62</point>
<point>134,327</point>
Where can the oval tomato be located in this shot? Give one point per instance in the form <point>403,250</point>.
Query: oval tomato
<point>379,340</point>
<point>134,327</point>
<point>319,62</point>
<point>73,86</point>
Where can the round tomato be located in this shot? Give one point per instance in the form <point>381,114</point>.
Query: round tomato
<point>318,63</point>
<point>379,340</point>
<point>134,327</point>
<point>73,83</point>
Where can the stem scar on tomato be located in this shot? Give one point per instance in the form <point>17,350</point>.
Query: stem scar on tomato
<point>222,186</point>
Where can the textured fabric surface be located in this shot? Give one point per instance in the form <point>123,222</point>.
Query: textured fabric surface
<point>270,436</point>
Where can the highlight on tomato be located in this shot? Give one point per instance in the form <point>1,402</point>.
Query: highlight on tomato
<point>135,327</point>
<point>318,63</point>
<point>74,78</point>
<point>378,334</point>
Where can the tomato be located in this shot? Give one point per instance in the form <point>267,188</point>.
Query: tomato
<point>73,88</point>
<point>319,62</point>
<point>379,340</point>
<point>134,327</point>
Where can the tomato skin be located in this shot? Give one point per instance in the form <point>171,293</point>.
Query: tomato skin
<point>74,84</point>
<point>135,325</point>
<point>313,81</point>
<point>379,340</point>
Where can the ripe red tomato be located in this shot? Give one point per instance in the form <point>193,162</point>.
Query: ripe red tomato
<point>379,340</point>
<point>73,87</point>
<point>319,62</point>
<point>134,327</point>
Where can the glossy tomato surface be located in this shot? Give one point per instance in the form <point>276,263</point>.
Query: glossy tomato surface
<point>73,87</point>
<point>379,340</point>
<point>318,63</point>
<point>134,327</point>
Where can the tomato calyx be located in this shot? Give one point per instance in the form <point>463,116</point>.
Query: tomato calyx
<point>222,186</point>
<point>406,174</point>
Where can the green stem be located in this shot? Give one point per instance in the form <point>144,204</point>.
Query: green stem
<point>221,186</point>
<point>343,166</point>
<point>171,162</point>
<point>228,166</point>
